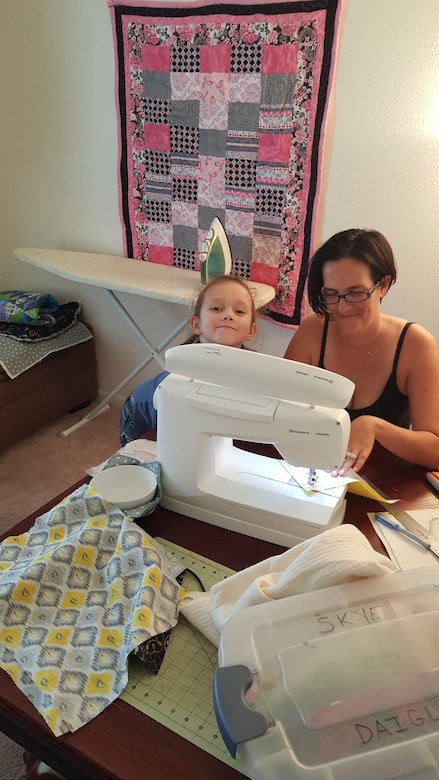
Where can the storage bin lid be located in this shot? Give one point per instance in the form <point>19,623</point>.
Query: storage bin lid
<point>339,683</point>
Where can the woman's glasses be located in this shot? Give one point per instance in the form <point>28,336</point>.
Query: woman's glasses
<point>330,298</point>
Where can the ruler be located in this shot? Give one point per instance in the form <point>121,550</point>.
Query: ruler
<point>415,528</point>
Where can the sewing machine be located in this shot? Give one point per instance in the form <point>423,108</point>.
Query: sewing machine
<point>215,394</point>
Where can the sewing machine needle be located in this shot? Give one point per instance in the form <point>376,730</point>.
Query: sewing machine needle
<point>312,477</point>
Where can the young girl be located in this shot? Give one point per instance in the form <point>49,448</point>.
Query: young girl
<point>224,314</point>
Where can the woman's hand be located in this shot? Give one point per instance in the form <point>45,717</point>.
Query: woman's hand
<point>361,441</point>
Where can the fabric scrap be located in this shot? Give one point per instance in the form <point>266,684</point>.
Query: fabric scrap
<point>336,556</point>
<point>78,592</point>
<point>17,357</point>
<point>20,306</point>
<point>64,317</point>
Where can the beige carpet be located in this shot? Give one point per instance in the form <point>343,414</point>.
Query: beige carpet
<point>43,465</point>
<point>11,764</point>
<point>34,471</point>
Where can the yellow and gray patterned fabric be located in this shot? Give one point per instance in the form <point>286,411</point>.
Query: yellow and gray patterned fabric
<point>78,593</point>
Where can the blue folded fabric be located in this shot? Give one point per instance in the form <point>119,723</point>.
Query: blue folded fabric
<point>64,317</point>
<point>23,307</point>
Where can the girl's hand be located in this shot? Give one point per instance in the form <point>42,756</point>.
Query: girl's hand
<point>360,445</point>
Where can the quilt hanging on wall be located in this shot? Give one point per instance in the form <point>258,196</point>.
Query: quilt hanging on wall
<point>221,113</point>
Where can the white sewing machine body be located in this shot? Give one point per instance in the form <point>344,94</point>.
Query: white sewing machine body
<point>215,394</point>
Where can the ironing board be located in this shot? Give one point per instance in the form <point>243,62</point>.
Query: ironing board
<point>124,274</point>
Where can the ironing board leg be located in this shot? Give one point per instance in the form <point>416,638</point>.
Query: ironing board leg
<point>154,354</point>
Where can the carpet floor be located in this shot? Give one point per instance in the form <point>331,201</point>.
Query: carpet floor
<point>31,473</point>
<point>38,468</point>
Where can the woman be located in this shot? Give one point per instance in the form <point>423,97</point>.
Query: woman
<point>394,364</point>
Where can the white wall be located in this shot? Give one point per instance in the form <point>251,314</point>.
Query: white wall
<point>382,168</point>
<point>58,156</point>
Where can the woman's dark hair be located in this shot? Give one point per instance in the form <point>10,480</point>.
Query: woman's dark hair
<point>367,246</point>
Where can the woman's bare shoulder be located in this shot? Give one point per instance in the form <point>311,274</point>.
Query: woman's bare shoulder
<point>420,342</point>
<point>419,356</point>
<point>419,333</point>
<point>306,340</point>
<point>311,325</point>
<point>416,336</point>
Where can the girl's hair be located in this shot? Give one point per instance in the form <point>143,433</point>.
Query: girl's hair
<point>220,280</point>
<point>367,246</point>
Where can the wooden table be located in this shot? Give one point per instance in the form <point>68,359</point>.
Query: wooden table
<point>122,743</point>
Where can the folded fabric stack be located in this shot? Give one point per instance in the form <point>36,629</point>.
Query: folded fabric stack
<point>32,326</point>
<point>34,316</point>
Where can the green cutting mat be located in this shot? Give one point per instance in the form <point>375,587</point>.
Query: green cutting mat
<point>180,695</point>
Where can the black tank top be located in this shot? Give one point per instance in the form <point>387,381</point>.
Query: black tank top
<point>392,405</point>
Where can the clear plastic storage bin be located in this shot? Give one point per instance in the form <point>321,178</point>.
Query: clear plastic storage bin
<point>338,684</point>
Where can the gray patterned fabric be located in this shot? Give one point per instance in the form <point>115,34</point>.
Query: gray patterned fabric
<point>78,593</point>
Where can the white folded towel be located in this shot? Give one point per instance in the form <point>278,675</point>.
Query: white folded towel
<point>341,554</point>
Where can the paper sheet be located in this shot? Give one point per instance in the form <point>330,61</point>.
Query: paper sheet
<point>324,479</point>
<point>325,482</point>
<point>362,487</point>
<point>402,551</point>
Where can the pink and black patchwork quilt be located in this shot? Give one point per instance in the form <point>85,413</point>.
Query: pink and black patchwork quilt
<point>221,113</point>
